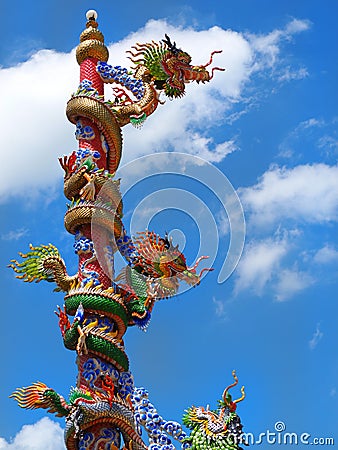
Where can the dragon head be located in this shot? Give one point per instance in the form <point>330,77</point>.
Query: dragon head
<point>216,429</point>
<point>227,402</point>
<point>158,259</point>
<point>170,67</point>
<point>154,271</point>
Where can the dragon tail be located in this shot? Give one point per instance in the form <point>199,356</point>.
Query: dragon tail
<point>43,263</point>
<point>38,395</point>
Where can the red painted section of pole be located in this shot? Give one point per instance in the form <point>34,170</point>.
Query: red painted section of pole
<point>88,72</point>
<point>100,237</point>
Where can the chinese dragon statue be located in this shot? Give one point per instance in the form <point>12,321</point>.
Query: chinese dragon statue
<point>105,410</point>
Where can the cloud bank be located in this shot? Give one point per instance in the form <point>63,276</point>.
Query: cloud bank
<point>265,266</point>
<point>305,193</point>
<point>36,131</point>
<point>43,435</point>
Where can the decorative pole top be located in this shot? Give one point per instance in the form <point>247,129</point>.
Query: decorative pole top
<point>91,41</point>
<point>91,14</point>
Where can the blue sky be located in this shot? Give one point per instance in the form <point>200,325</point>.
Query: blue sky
<point>269,124</point>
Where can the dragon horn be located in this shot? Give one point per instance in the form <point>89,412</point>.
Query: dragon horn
<point>230,386</point>
<point>172,47</point>
<point>241,398</point>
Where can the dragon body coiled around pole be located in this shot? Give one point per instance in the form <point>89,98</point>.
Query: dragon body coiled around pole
<point>105,410</point>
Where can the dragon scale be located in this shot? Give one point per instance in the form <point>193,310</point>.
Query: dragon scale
<point>105,410</point>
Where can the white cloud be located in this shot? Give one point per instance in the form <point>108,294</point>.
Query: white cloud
<point>306,124</point>
<point>43,435</point>
<point>326,255</point>
<point>33,121</point>
<point>333,392</point>
<point>182,124</point>
<point>219,308</point>
<point>313,133</point>
<point>36,132</point>
<point>291,74</point>
<point>236,56</point>
<point>303,130</point>
<point>317,336</point>
<point>267,47</point>
<point>14,235</point>
<point>264,267</point>
<point>329,144</point>
<point>296,26</point>
<point>306,193</point>
<point>259,264</point>
<point>223,224</point>
<point>291,282</point>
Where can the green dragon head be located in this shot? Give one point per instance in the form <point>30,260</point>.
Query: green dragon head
<point>170,67</point>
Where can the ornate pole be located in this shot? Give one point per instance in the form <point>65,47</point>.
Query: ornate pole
<point>104,410</point>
